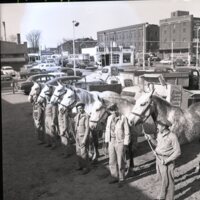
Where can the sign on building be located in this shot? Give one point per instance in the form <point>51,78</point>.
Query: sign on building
<point>175,97</point>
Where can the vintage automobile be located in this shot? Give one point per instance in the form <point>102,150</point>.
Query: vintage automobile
<point>5,77</point>
<point>70,72</point>
<point>194,77</point>
<point>68,80</point>
<point>8,70</point>
<point>47,67</point>
<point>25,86</point>
<point>25,73</point>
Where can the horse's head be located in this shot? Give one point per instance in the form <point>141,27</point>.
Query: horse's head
<point>58,93</point>
<point>34,93</point>
<point>69,99</point>
<point>141,110</point>
<point>45,93</point>
<point>99,113</point>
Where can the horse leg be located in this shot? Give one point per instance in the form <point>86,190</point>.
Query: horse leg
<point>95,145</point>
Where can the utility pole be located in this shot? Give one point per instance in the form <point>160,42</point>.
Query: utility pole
<point>197,51</point>
<point>4,26</point>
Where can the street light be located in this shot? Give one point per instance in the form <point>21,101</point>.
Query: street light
<point>75,24</point>
<point>144,44</point>
<point>197,59</point>
<point>4,26</point>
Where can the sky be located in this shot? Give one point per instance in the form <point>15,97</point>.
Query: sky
<point>54,20</point>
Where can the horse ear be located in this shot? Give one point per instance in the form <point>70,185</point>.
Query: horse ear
<point>59,83</point>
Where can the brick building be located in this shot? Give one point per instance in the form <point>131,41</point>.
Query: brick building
<point>127,42</point>
<point>13,54</point>
<point>178,35</point>
<point>135,35</point>
<point>79,44</point>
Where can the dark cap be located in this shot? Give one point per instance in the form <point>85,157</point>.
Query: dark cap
<point>80,104</point>
<point>164,123</point>
<point>114,107</point>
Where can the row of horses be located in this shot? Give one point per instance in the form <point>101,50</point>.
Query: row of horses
<point>146,110</point>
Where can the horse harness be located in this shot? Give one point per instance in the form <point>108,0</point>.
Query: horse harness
<point>143,116</point>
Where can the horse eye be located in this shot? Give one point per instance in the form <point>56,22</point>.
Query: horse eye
<point>143,104</point>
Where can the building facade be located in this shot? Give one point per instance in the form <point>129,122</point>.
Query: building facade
<point>79,44</point>
<point>125,43</point>
<point>13,54</point>
<point>178,35</point>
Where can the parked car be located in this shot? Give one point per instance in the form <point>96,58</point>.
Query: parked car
<point>194,77</point>
<point>8,70</point>
<point>163,69</point>
<point>179,62</point>
<point>70,72</point>
<point>166,61</point>
<point>29,72</point>
<point>25,86</point>
<point>58,74</point>
<point>81,65</point>
<point>47,67</point>
<point>5,76</point>
<point>69,80</point>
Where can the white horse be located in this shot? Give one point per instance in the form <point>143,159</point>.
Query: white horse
<point>35,91</point>
<point>73,95</point>
<point>185,123</point>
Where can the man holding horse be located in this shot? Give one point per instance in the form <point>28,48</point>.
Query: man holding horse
<point>82,138</point>
<point>167,151</point>
<point>117,136</point>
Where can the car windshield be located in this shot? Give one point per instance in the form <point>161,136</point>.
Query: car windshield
<point>7,68</point>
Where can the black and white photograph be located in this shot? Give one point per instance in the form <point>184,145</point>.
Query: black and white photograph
<point>100,100</point>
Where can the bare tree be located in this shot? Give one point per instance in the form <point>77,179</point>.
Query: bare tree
<point>34,39</point>
<point>13,38</point>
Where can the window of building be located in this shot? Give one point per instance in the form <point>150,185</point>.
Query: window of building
<point>115,59</point>
<point>126,58</point>
<point>184,30</point>
<point>165,31</point>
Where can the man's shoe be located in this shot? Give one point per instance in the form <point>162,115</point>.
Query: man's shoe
<point>79,168</point>
<point>113,180</point>
<point>53,147</point>
<point>40,143</point>
<point>47,145</point>
<point>120,184</point>
<point>67,156</point>
<point>85,171</point>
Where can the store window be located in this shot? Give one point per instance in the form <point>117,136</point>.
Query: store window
<point>126,58</point>
<point>115,58</point>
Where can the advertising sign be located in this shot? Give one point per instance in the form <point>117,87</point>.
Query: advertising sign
<point>176,95</point>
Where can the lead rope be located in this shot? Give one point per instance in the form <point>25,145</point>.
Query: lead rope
<point>143,131</point>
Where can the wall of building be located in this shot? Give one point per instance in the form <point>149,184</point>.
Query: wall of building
<point>13,54</point>
<point>176,31</point>
<point>131,36</point>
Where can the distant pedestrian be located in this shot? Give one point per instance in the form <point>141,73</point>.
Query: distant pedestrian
<point>117,137</point>
<point>167,151</point>
<point>82,138</point>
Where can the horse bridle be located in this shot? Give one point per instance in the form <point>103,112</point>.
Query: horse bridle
<point>143,116</point>
<point>72,104</point>
<point>60,96</point>
<point>95,121</point>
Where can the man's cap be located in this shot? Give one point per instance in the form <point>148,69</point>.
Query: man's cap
<point>114,107</point>
<point>80,104</point>
<point>164,123</point>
